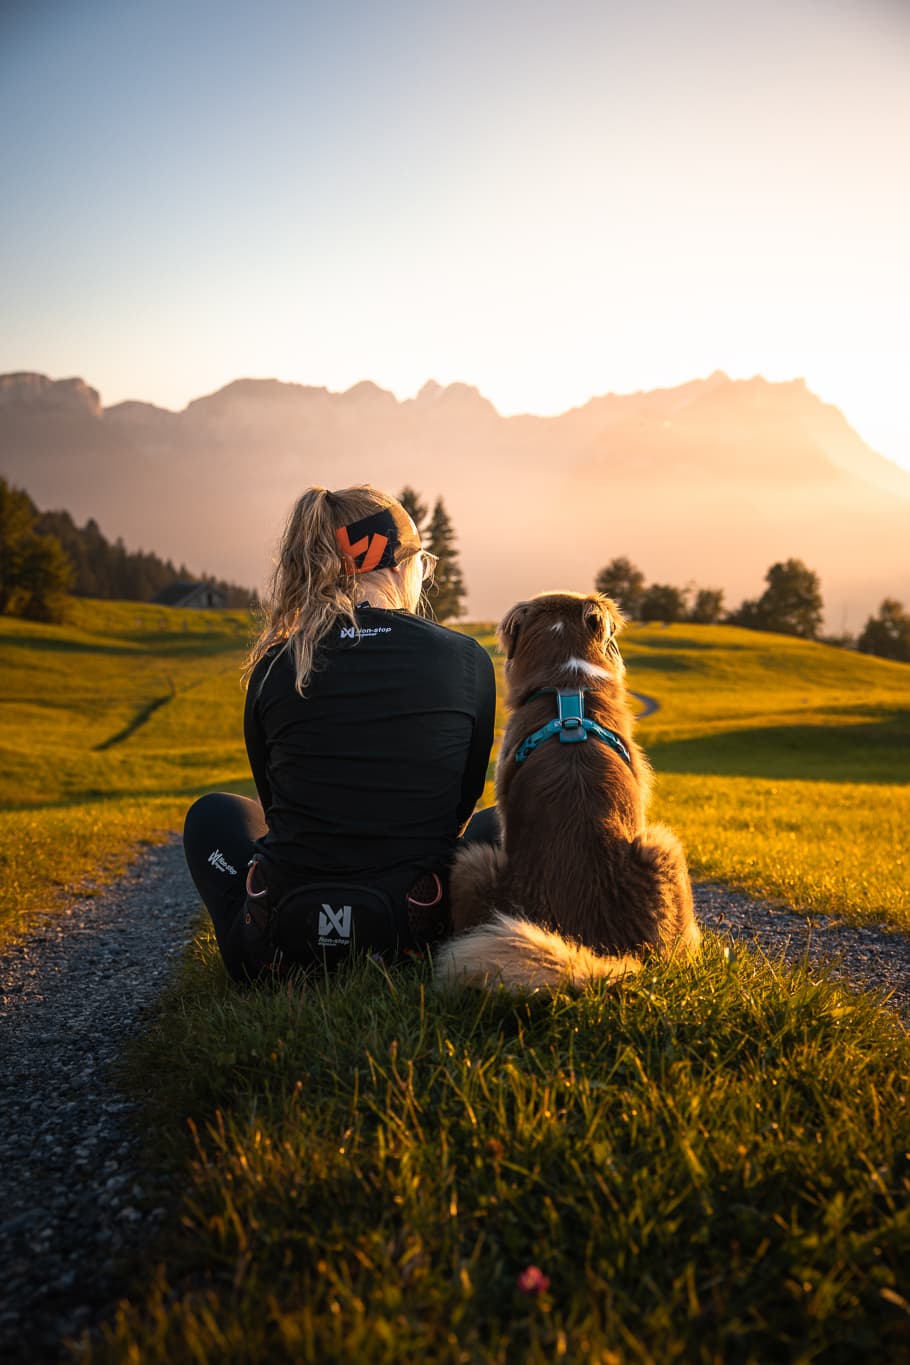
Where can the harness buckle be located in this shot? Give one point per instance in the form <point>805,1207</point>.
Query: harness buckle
<point>570,704</point>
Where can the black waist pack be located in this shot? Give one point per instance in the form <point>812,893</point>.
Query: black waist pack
<point>323,923</point>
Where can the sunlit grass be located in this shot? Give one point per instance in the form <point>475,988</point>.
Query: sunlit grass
<point>51,855</point>
<point>110,725</point>
<point>708,1164</point>
<point>783,764</point>
<point>720,678</point>
<point>70,692</point>
<point>824,848</point>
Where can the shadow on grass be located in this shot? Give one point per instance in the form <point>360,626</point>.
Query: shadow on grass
<point>874,751</point>
<point>190,642</point>
<point>145,642</point>
<point>96,796</point>
<point>118,646</point>
<point>658,663</point>
<point>660,639</point>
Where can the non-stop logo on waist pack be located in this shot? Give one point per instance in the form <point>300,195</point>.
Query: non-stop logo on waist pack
<point>334,926</point>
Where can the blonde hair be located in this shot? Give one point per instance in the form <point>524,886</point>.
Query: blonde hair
<point>312,586</point>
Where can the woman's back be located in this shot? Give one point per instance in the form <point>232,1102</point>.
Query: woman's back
<point>373,772</point>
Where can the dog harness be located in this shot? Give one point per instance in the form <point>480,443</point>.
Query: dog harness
<point>571,724</point>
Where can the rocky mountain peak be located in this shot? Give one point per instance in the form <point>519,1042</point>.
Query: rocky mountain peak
<point>367,393</point>
<point>27,389</point>
<point>458,395</point>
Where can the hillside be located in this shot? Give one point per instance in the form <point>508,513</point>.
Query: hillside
<point>129,698</point>
<point>113,723</point>
<point>711,481</point>
<point>125,700</point>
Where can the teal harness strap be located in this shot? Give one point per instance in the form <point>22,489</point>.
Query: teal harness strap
<point>572,726</point>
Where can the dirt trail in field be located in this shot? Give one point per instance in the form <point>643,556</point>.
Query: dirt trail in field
<point>74,1202</point>
<point>648,705</point>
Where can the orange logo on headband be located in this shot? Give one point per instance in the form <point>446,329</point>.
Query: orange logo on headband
<point>371,547</point>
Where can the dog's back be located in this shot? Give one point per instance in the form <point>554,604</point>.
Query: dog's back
<point>580,886</point>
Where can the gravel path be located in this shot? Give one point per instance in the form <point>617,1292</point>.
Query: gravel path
<point>73,1201</point>
<point>867,956</point>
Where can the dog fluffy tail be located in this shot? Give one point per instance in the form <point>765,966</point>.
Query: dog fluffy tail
<point>523,956</point>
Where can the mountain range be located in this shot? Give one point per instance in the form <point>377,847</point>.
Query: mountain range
<point>710,482</point>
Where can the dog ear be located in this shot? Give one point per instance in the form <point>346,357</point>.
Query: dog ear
<point>509,627</point>
<point>605,620</point>
<point>602,616</point>
<point>596,617</point>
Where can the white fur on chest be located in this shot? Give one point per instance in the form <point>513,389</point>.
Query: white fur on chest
<point>587,670</point>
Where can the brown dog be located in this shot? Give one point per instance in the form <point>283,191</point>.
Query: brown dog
<point>581,886</point>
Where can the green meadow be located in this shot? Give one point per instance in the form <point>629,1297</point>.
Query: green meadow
<point>110,725</point>
<point>784,765</point>
<point>709,1164</point>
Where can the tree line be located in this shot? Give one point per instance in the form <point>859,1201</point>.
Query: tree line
<point>791,604</point>
<point>44,556</point>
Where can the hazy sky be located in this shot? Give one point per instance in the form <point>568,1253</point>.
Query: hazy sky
<point>547,200</point>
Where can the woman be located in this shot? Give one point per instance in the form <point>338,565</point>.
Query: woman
<point>368,730</point>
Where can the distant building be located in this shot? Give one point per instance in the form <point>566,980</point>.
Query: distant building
<point>187,594</point>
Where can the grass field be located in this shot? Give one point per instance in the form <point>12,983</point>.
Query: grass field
<point>109,726</point>
<point>785,766</point>
<point>708,1165</point>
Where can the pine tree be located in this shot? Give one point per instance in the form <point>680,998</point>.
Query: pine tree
<point>17,517</point>
<point>34,569</point>
<point>415,507</point>
<point>44,576</point>
<point>447,592</point>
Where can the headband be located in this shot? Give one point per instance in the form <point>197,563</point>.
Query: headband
<point>378,541</point>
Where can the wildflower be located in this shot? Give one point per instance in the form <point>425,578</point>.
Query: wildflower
<point>532,1280</point>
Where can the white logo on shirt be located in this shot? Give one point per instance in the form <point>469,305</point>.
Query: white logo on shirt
<point>366,632</point>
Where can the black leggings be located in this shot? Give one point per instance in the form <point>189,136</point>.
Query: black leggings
<point>219,838</point>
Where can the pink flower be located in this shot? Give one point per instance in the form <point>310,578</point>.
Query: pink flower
<point>532,1280</point>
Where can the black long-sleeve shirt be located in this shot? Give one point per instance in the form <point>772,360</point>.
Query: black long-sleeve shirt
<point>370,777</point>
